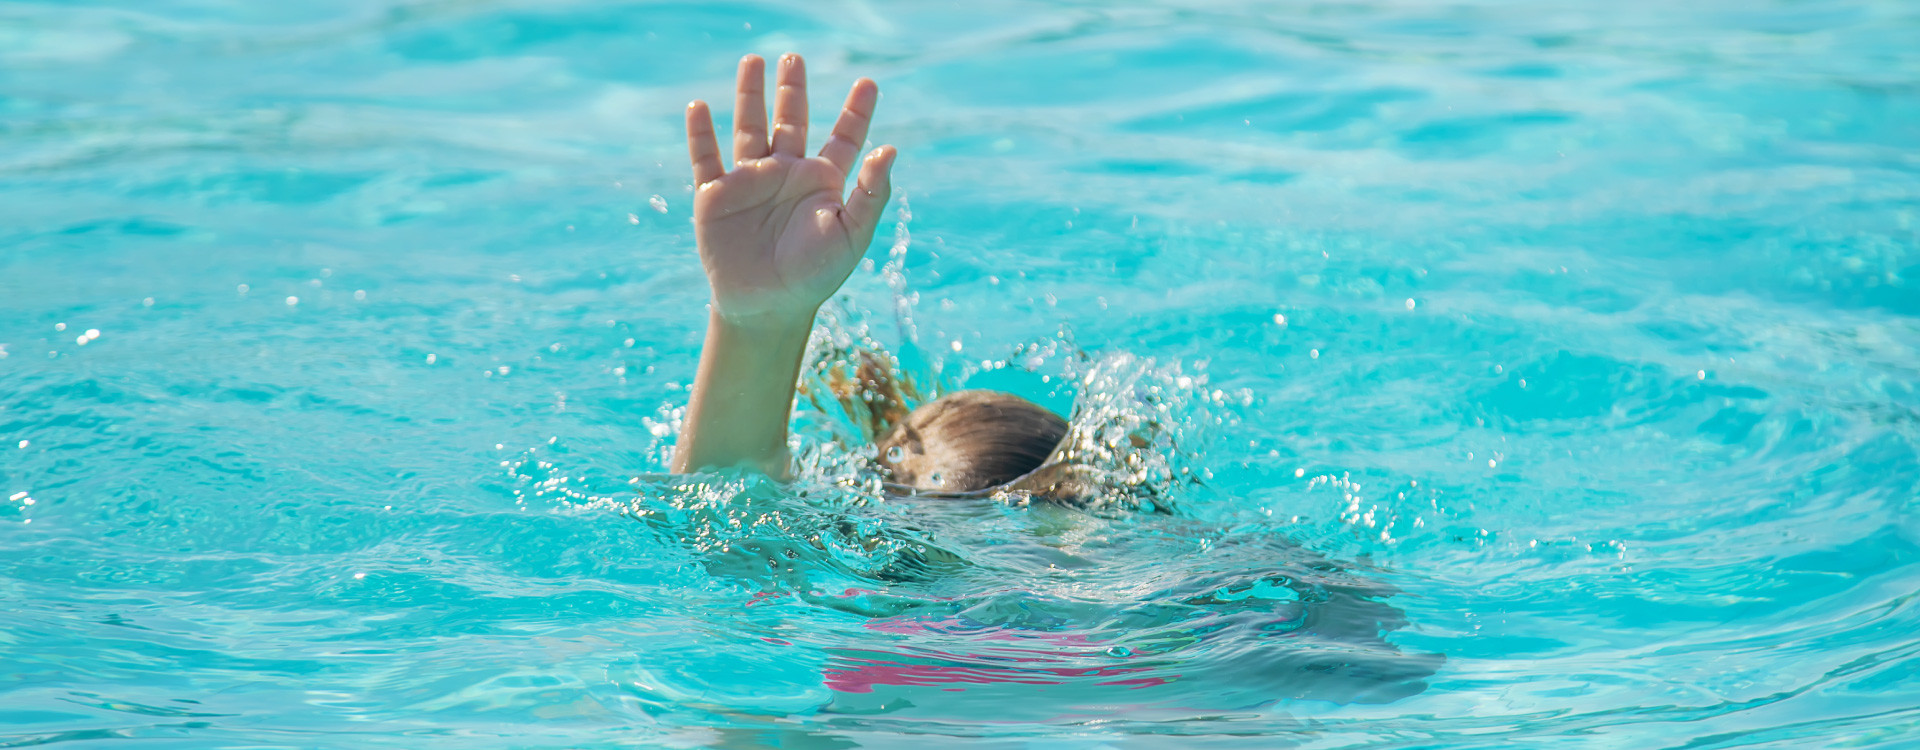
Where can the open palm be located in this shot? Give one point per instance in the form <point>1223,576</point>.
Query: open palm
<point>775,236</point>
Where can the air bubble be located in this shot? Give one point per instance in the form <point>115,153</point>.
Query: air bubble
<point>896,454</point>
<point>658,203</point>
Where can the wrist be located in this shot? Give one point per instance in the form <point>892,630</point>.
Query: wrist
<point>762,324</point>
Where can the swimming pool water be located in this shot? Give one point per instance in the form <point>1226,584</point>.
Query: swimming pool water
<point>1546,375</point>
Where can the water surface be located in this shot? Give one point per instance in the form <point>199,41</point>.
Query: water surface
<point>1543,374</point>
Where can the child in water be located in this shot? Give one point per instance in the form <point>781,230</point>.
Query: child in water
<point>777,238</point>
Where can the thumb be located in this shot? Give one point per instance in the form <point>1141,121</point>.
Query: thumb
<point>870,195</point>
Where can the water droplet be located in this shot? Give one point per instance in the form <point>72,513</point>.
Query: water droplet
<point>1119,652</point>
<point>658,203</point>
<point>895,454</point>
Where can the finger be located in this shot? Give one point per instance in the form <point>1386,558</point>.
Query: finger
<point>790,107</point>
<point>750,110</point>
<point>850,132</point>
<point>870,195</point>
<point>702,146</point>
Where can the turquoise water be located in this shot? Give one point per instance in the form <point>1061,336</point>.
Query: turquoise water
<point>1541,374</point>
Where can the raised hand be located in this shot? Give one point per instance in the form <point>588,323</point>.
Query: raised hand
<point>775,235</point>
<point>777,240</point>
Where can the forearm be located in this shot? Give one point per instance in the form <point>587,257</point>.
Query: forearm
<point>743,395</point>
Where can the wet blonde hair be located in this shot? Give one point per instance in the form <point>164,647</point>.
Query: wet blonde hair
<point>968,442</point>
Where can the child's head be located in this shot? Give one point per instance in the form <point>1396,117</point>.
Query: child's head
<point>970,440</point>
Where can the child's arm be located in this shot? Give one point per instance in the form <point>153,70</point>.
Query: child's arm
<point>777,241</point>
